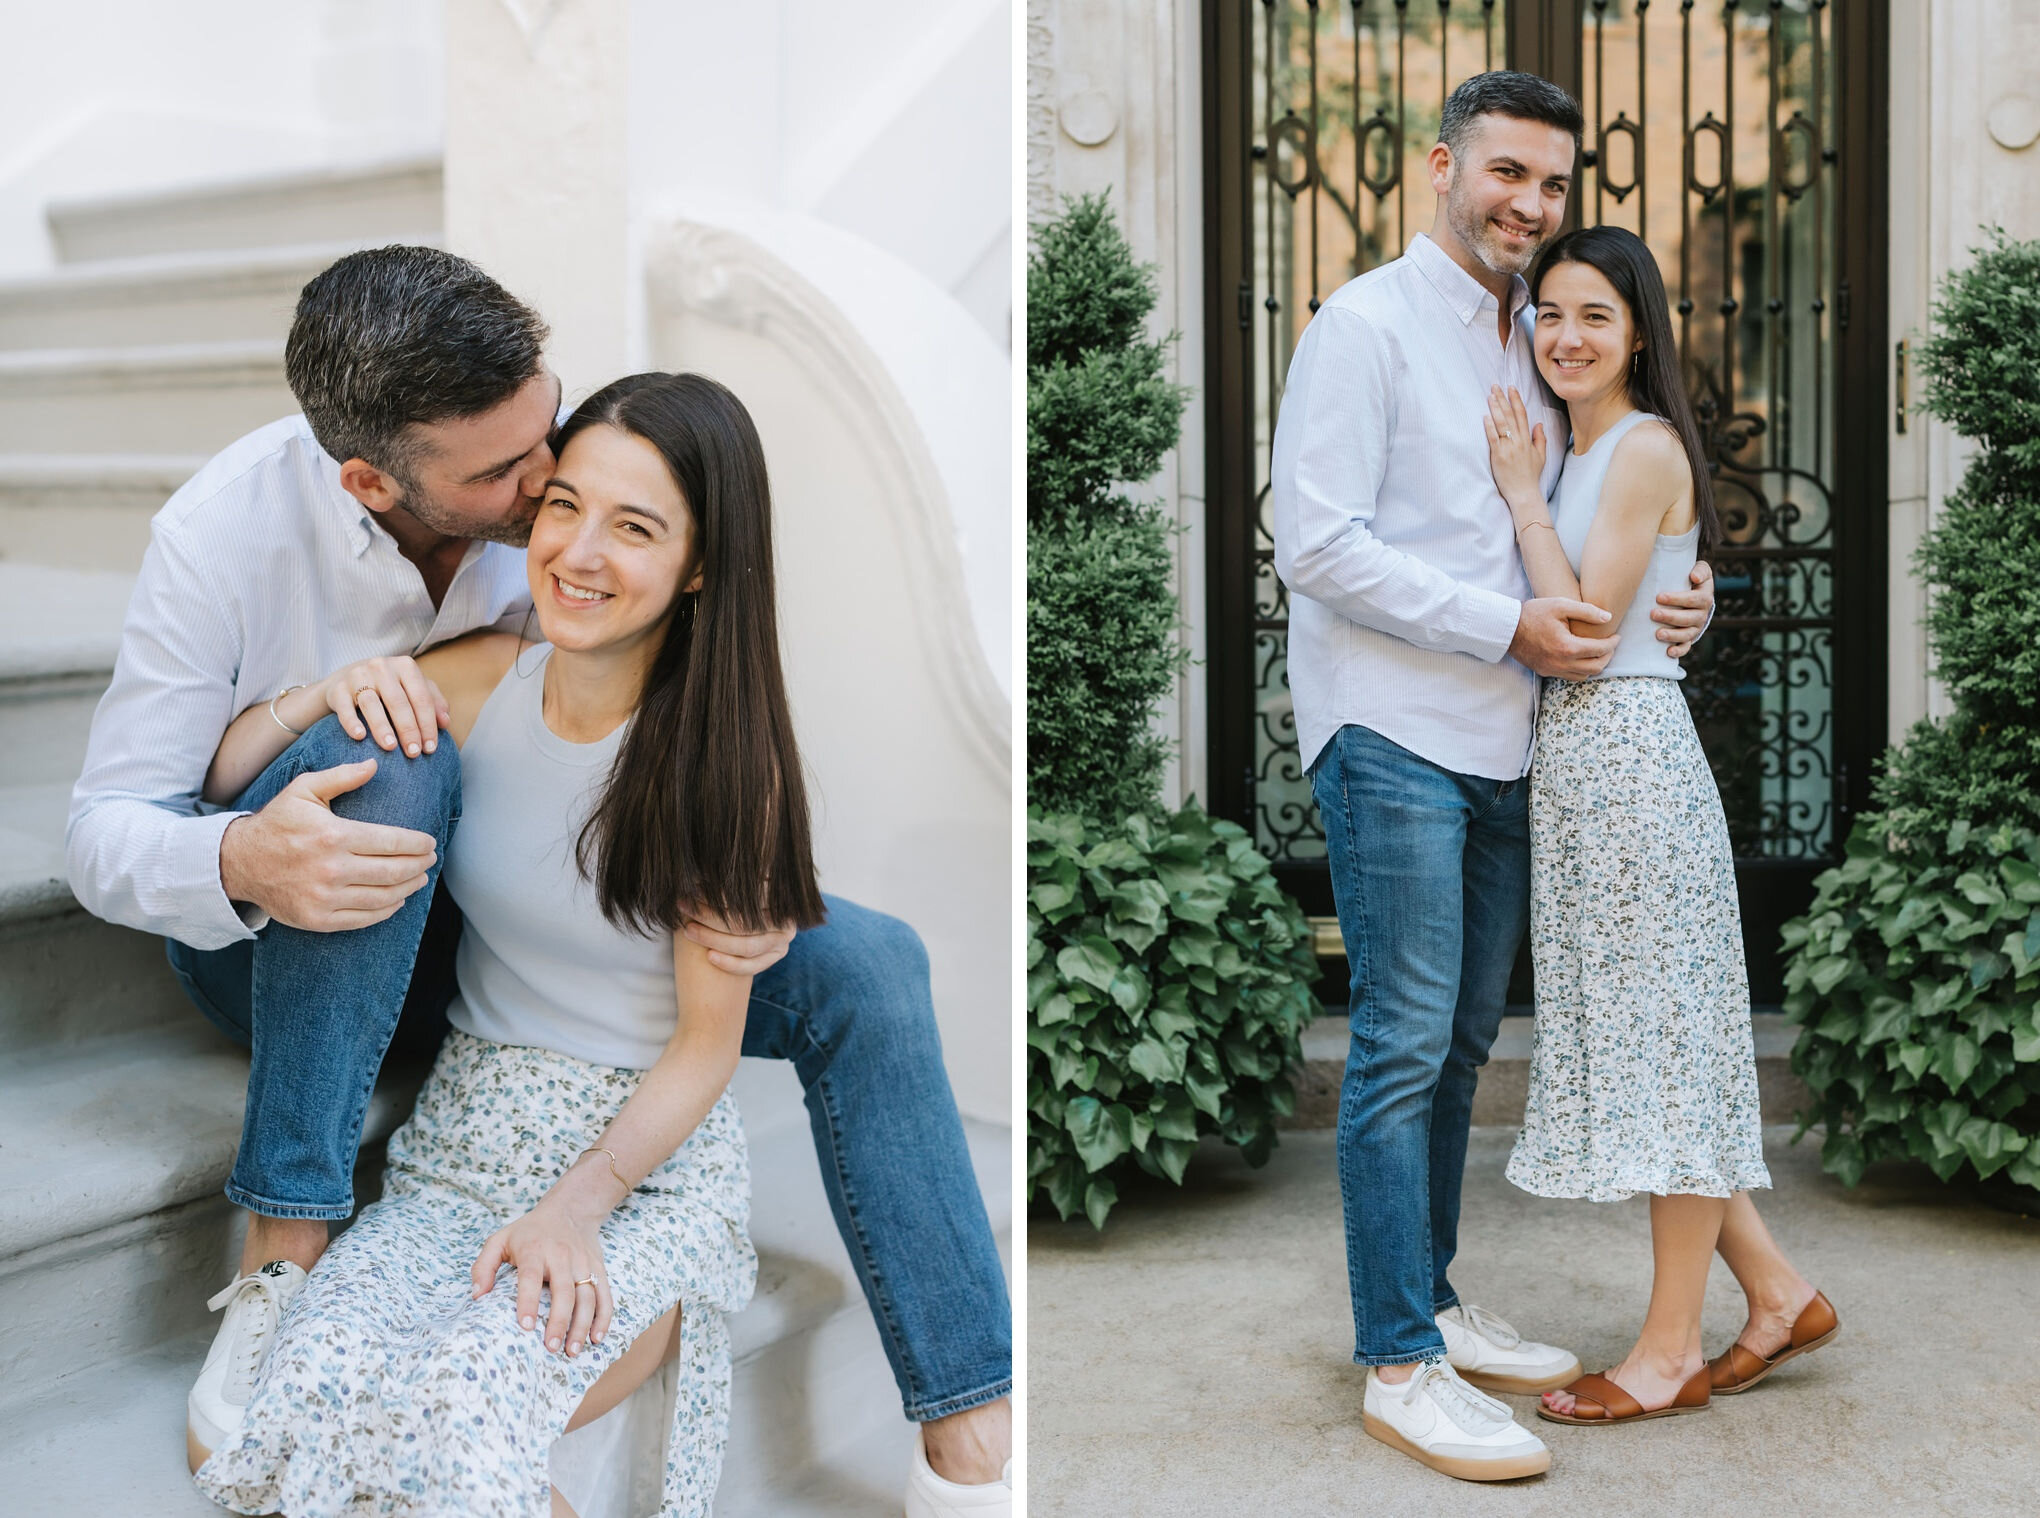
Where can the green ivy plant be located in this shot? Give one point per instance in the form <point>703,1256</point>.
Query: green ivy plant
<point>1168,985</point>
<point>1916,978</point>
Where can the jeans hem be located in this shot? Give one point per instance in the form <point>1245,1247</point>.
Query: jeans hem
<point>1403,1357</point>
<point>248,1201</point>
<point>950,1406</point>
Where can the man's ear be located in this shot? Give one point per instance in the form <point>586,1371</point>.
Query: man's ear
<point>374,488</point>
<point>1440,162</point>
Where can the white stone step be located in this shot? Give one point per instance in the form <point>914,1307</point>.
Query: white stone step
<point>160,398</point>
<point>85,511</point>
<point>66,978</point>
<point>817,1427</point>
<point>113,1442</point>
<point>59,634</point>
<point>372,203</point>
<point>112,1156</point>
<point>164,298</point>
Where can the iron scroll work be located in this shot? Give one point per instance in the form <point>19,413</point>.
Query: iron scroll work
<point>1737,139</point>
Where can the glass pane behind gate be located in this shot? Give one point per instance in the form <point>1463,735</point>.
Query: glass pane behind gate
<point>1346,100</point>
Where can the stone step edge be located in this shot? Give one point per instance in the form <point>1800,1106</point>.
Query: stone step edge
<point>75,1173</point>
<point>241,355</point>
<point>1504,1080</point>
<point>187,272</point>
<point>98,471</point>
<point>202,194</point>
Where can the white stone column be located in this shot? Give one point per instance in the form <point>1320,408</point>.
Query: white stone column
<point>538,166</point>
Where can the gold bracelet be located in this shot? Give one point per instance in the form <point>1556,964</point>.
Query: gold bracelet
<point>613,1171</point>
<point>295,732</point>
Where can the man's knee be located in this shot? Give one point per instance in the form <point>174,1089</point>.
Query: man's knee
<point>420,792</point>
<point>878,967</point>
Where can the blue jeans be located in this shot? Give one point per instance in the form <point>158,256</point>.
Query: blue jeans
<point>850,1006</point>
<point>1431,873</point>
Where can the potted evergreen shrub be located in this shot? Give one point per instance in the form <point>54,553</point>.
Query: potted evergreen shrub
<point>1168,975</point>
<point>1915,976</point>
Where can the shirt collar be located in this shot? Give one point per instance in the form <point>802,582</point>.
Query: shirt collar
<point>1467,296</point>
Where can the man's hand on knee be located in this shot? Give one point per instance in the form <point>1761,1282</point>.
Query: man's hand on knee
<point>738,953</point>
<point>309,869</point>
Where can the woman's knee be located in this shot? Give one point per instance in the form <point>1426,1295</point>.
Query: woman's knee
<point>635,1366</point>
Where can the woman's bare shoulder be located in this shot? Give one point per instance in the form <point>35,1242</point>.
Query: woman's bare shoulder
<point>1650,468</point>
<point>466,669</point>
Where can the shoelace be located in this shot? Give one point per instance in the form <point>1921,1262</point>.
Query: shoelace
<point>1474,1411</point>
<point>1490,1327</point>
<point>253,1339</point>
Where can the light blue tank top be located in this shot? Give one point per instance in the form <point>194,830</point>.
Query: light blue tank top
<point>1573,508</point>
<point>539,965</point>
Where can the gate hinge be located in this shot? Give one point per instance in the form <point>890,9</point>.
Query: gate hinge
<point>1842,304</point>
<point>1246,306</point>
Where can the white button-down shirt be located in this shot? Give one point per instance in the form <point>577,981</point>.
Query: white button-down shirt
<point>1398,551</point>
<point>262,572</point>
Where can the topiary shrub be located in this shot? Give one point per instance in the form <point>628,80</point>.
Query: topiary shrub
<point>1914,975</point>
<point>1168,975</point>
<point>1168,984</point>
<point>1102,648</point>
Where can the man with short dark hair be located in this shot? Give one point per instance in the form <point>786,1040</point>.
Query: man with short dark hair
<point>302,920</point>
<point>1414,655</point>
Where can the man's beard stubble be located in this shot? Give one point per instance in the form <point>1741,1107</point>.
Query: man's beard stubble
<point>1484,243</point>
<point>515,531</point>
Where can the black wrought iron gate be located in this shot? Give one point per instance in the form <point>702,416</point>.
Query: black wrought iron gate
<point>1745,141</point>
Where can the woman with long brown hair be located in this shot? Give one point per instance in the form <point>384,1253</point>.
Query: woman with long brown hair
<point>568,1204</point>
<point>1642,1071</point>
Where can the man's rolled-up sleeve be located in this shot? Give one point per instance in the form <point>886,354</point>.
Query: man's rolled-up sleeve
<point>1330,457</point>
<point>139,850</point>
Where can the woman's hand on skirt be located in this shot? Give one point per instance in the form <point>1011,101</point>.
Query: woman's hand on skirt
<point>548,1247</point>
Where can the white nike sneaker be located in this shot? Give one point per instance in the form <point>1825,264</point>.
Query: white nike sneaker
<point>254,1305</point>
<point>1438,1419</point>
<point>1493,1356</point>
<point>929,1496</point>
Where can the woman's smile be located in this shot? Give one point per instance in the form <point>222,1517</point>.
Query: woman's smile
<point>569,593</point>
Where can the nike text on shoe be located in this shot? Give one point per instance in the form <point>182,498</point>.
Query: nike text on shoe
<point>1438,1419</point>
<point>254,1305</point>
<point>1491,1355</point>
<point>929,1496</point>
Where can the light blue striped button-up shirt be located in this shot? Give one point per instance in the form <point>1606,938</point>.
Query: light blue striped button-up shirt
<point>1398,550</point>
<point>262,572</point>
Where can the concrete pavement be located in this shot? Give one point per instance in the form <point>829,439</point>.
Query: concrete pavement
<point>1196,1357</point>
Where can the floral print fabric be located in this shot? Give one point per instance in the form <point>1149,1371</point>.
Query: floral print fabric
<point>1643,1072</point>
<point>390,1392</point>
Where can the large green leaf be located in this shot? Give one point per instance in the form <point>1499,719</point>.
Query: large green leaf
<point>1094,961</point>
<point>1101,1133</point>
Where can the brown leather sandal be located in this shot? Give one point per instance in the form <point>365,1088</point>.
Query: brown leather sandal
<point>1611,1404</point>
<point>1739,1369</point>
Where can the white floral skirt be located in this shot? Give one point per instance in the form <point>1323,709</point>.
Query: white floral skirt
<point>1643,1074</point>
<point>390,1392</point>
